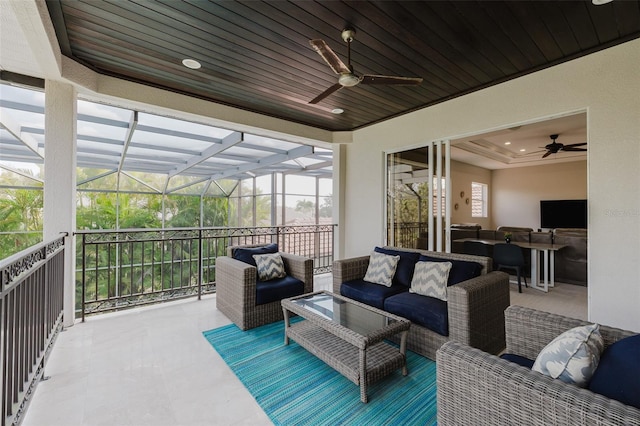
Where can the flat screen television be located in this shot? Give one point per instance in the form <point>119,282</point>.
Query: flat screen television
<point>563,213</point>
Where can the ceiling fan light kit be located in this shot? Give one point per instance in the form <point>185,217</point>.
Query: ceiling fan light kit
<point>347,77</point>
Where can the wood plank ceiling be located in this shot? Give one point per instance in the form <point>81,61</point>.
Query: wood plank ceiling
<point>255,55</point>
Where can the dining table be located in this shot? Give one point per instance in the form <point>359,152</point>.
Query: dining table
<point>548,254</point>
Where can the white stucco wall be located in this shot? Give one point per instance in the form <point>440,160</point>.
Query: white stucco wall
<point>607,84</point>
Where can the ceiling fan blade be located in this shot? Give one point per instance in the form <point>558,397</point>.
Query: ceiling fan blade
<point>386,79</point>
<point>573,145</point>
<point>570,148</point>
<point>326,93</point>
<point>329,56</point>
<point>548,153</point>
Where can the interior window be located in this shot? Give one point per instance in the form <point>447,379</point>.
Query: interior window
<point>479,199</point>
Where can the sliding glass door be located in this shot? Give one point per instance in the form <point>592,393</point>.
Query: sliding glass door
<point>418,197</point>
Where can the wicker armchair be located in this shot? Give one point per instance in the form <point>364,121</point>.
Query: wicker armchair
<point>236,288</point>
<point>474,385</point>
<point>475,307</point>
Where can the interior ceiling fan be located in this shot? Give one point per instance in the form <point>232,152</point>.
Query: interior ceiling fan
<point>554,147</point>
<point>347,77</point>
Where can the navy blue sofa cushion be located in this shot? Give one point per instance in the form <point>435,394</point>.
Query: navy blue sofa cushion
<point>406,265</point>
<point>520,360</point>
<point>369,293</point>
<point>618,373</point>
<point>461,270</point>
<point>426,311</point>
<point>246,254</point>
<point>278,289</point>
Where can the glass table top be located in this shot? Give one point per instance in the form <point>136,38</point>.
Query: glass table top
<point>357,318</point>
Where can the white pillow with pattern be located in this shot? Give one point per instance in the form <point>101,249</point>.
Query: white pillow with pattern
<point>269,266</point>
<point>573,356</point>
<point>430,279</point>
<point>381,269</point>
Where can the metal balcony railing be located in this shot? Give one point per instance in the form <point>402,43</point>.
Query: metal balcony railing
<point>32,285</point>
<point>121,269</point>
<point>405,234</point>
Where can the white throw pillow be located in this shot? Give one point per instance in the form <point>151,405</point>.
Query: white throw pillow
<point>269,266</point>
<point>381,269</point>
<point>430,279</point>
<point>573,356</point>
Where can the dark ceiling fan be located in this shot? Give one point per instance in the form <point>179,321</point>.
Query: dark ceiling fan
<point>347,77</point>
<point>554,147</point>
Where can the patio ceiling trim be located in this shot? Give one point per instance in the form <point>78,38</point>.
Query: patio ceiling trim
<point>229,141</point>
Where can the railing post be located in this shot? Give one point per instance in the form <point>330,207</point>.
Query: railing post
<point>47,307</point>
<point>200,251</point>
<point>3,358</point>
<point>84,273</point>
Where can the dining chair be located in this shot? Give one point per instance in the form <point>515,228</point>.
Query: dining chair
<point>509,256</point>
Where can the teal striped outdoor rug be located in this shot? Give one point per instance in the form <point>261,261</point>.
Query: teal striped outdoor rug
<point>293,387</point>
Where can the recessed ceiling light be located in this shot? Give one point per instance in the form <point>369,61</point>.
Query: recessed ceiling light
<point>191,63</point>
<point>600,2</point>
<point>337,111</point>
<point>507,143</point>
<point>522,150</point>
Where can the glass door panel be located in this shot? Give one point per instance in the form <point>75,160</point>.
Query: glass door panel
<point>410,211</point>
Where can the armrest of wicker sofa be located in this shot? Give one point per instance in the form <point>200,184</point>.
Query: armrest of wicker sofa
<point>348,269</point>
<point>301,268</point>
<point>473,385</point>
<point>476,311</point>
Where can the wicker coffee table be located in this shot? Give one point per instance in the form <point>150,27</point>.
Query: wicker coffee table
<point>348,336</point>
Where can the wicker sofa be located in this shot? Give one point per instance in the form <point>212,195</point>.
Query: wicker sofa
<point>475,307</point>
<point>473,384</point>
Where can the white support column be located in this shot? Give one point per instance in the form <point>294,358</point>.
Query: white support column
<point>447,209</point>
<point>338,199</point>
<point>60,179</point>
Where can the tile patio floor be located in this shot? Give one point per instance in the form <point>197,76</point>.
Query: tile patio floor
<point>152,366</point>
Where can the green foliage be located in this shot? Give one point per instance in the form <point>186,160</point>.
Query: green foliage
<point>305,206</point>
<point>20,212</point>
<point>411,202</point>
<point>98,210</point>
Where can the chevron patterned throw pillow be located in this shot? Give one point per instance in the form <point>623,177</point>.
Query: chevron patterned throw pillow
<point>430,279</point>
<point>269,266</point>
<point>381,269</point>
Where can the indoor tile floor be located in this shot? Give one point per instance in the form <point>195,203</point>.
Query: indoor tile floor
<point>152,366</point>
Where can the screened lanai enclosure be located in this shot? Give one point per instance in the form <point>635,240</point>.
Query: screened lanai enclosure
<point>159,198</point>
